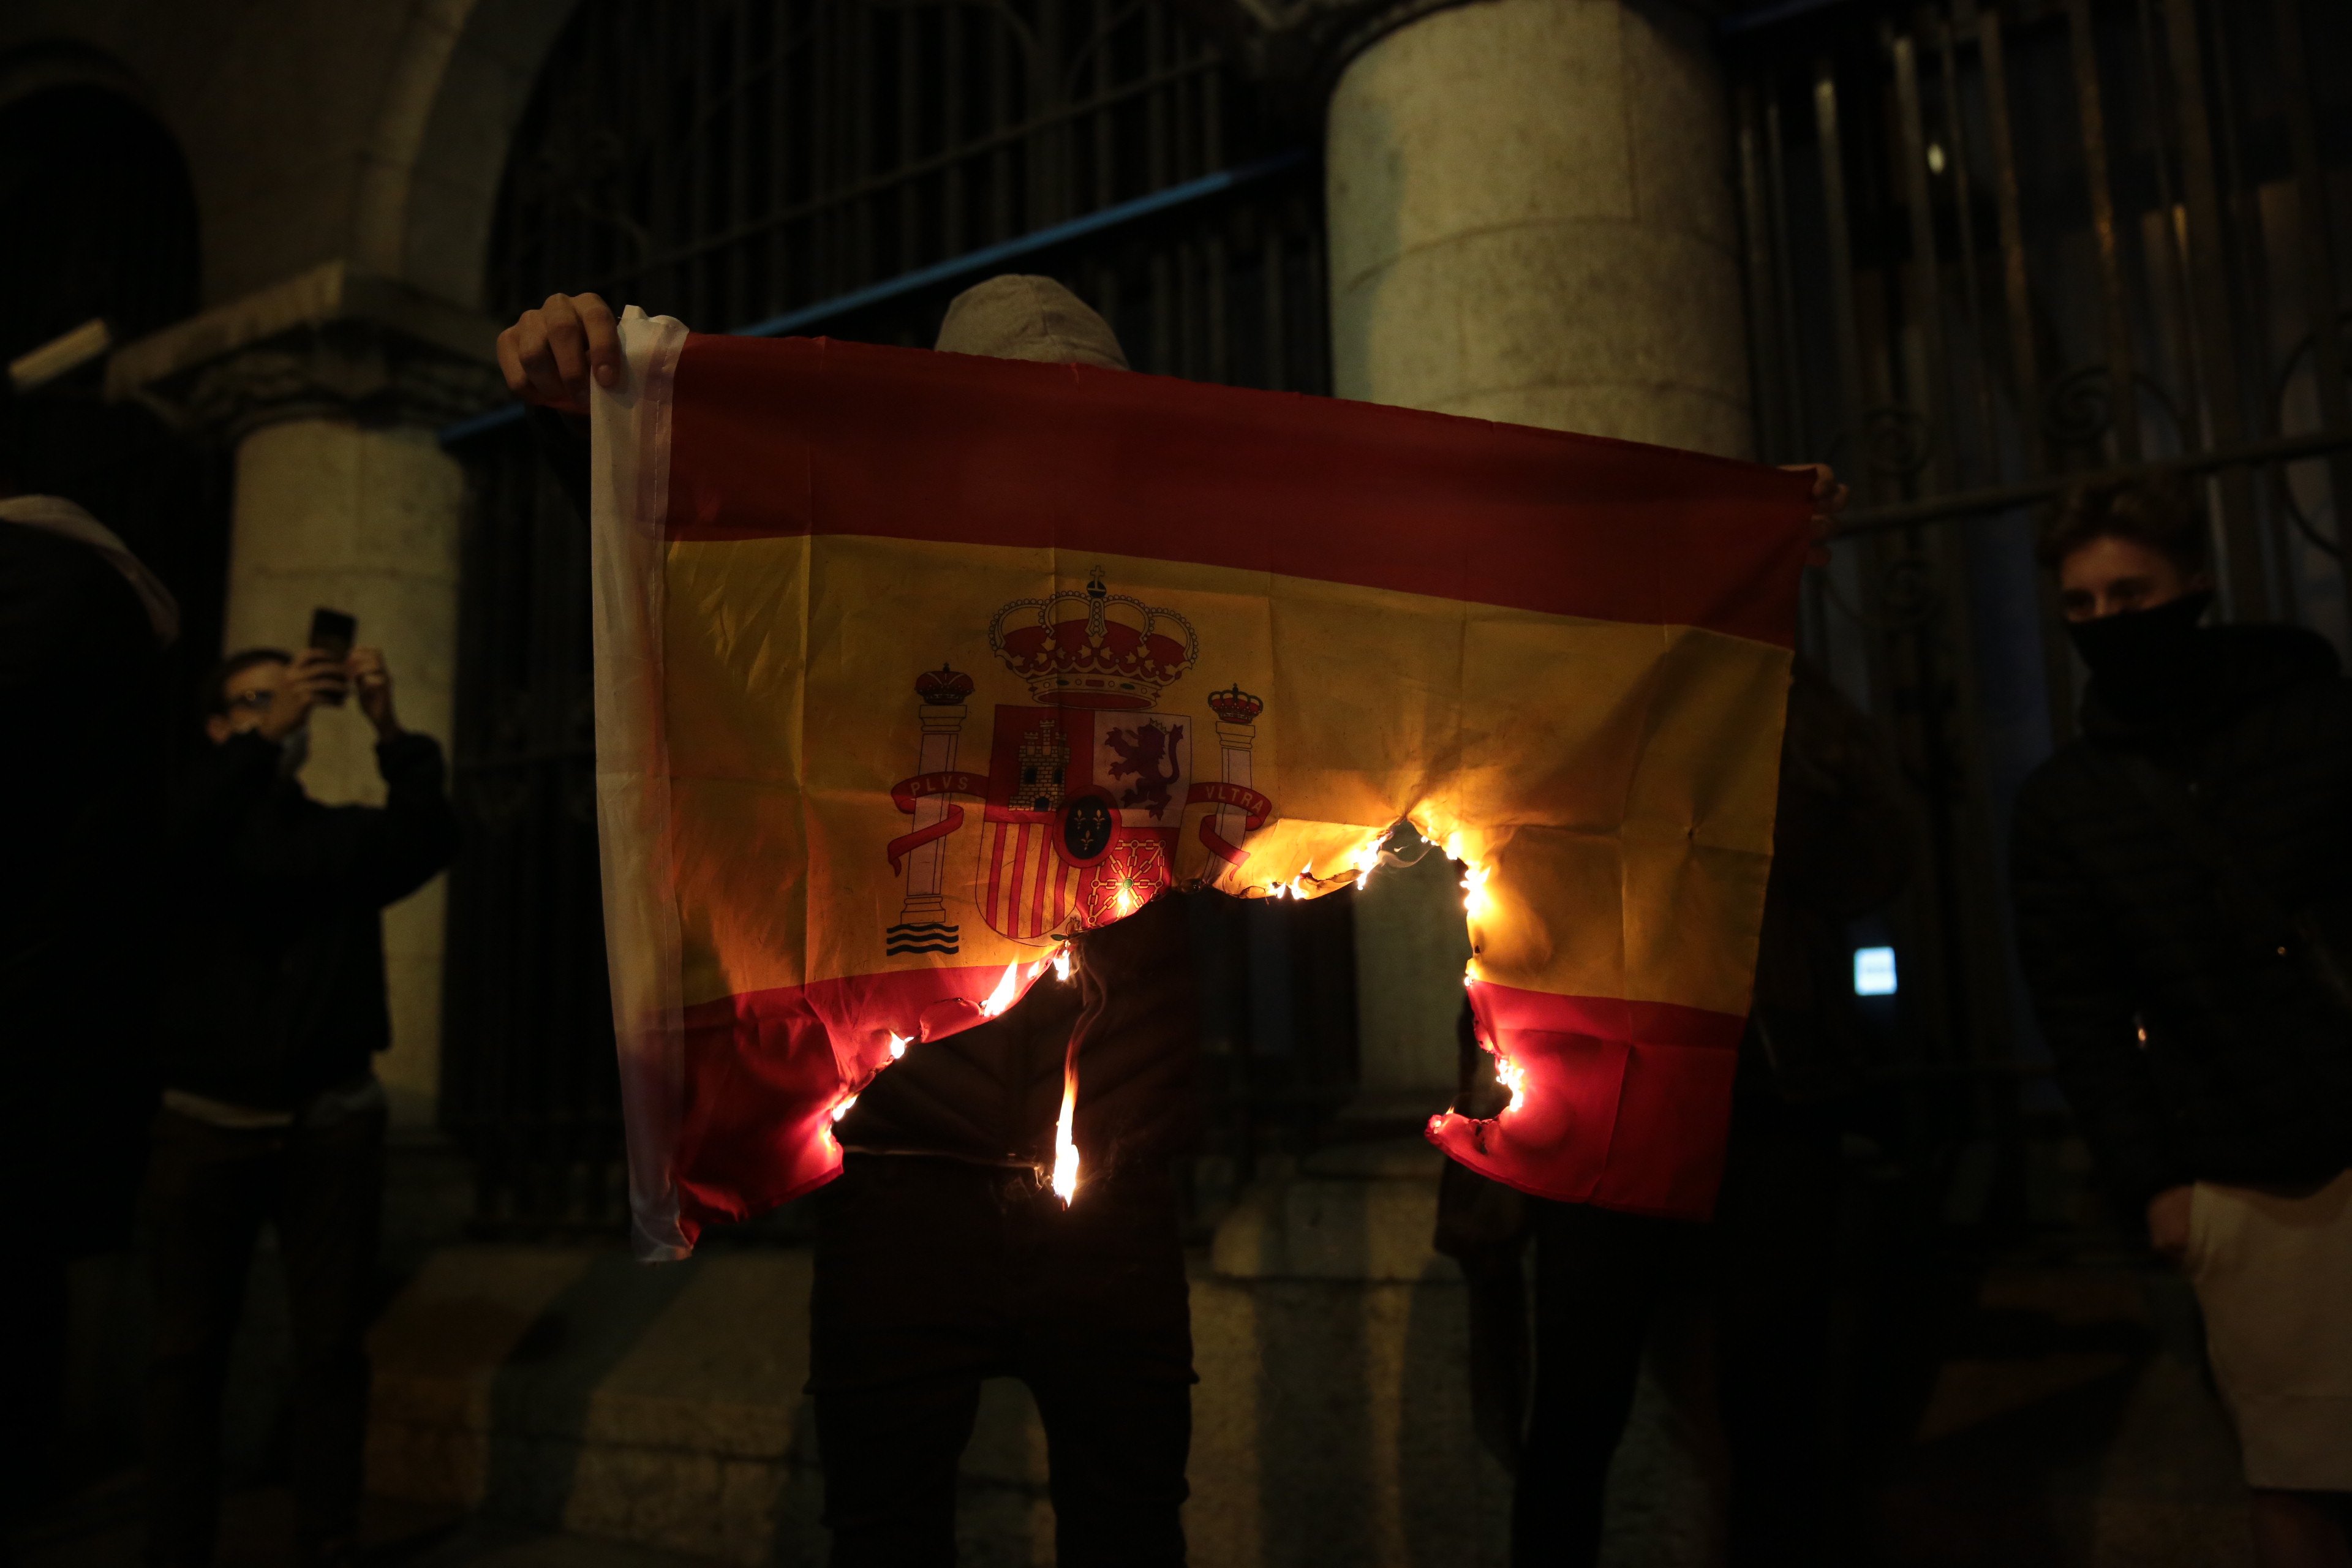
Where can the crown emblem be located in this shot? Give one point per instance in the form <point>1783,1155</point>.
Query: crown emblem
<point>1234,706</point>
<point>943,688</point>
<point>1095,649</point>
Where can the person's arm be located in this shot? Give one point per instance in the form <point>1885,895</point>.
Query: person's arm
<point>562,442</point>
<point>548,357</point>
<point>2079,980</point>
<point>416,834</point>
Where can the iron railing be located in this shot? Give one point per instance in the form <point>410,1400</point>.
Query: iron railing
<point>1994,249</point>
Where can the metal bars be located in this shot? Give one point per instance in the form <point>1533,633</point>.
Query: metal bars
<point>1998,249</point>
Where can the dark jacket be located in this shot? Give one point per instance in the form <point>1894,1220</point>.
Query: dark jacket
<point>81,801</point>
<point>274,984</point>
<point>1842,835</point>
<point>993,1094</point>
<point>2190,1045</point>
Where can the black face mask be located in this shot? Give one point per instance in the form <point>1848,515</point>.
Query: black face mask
<point>2142,656</point>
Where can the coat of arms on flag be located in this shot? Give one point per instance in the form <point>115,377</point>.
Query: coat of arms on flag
<point>1086,785</point>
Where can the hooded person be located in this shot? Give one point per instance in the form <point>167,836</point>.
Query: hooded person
<point>943,1256</point>
<point>2183,883</point>
<point>84,627</point>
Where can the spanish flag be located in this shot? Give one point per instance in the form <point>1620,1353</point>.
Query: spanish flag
<point>909,665</point>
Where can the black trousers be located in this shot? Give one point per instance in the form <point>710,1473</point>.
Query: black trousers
<point>209,1190</point>
<point>1765,1270</point>
<point>933,1275</point>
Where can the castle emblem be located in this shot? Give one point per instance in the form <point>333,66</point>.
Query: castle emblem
<point>1088,784</point>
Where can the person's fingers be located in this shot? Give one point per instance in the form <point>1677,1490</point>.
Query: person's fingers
<point>510,361</point>
<point>541,382</point>
<point>527,341</point>
<point>601,336</point>
<point>567,344</point>
<point>314,669</point>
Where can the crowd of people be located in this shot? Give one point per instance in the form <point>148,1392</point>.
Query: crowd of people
<point>2183,916</point>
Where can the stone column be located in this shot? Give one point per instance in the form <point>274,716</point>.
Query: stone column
<point>331,385</point>
<point>1532,219</point>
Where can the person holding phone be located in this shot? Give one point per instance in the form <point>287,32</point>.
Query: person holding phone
<point>273,1008</point>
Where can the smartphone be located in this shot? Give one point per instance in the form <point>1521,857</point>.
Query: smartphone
<point>331,633</point>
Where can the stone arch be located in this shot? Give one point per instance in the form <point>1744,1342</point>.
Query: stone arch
<point>457,88</point>
<point>97,189</point>
<point>58,63</point>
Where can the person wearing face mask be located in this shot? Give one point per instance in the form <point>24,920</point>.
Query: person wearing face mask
<point>2183,883</point>
<point>272,1010</point>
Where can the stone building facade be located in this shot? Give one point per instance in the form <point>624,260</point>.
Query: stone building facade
<point>1531,217</point>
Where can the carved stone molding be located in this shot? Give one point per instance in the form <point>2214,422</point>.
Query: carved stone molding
<point>1312,42</point>
<point>1307,41</point>
<point>334,343</point>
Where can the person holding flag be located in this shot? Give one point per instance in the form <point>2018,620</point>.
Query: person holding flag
<point>1380,599</point>
<point>943,1256</point>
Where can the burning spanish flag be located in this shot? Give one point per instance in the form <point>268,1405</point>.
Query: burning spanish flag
<point>909,665</point>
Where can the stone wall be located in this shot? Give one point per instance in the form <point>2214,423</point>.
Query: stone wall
<point>663,1406</point>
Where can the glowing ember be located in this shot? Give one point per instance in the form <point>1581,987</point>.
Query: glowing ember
<point>1008,989</point>
<point>842,1109</point>
<point>1512,1077</point>
<point>898,1046</point>
<point>1062,963</point>
<point>1066,1153</point>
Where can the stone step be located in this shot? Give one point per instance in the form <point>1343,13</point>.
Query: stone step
<point>570,1388</point>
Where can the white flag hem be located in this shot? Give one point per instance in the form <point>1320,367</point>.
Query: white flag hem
<point>629,496</point>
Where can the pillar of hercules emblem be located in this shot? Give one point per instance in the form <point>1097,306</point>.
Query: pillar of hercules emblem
<point>923,924</point>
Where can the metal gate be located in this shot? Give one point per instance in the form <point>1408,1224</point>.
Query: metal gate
<point>842,166</point>
<point>1994,249</point>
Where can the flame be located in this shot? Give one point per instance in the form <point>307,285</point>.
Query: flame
<point>1007,992</point>
<point>899,1044</point>
<point>1453,846</point>
<point>1123,902</point>
<point>1062,963</point>
<point>1474,903</point>
<point>1511,1075</point>
<point>1367,858</point>
<point>1469,975</point>
<point>842,1110</point>
<point>1066,1152</point>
